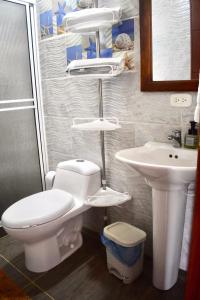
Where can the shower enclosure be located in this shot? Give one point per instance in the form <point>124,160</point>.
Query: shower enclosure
<point>22,142</point>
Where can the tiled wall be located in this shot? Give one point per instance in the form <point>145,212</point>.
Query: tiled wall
<point>115,41</point>
<point>146,116</point>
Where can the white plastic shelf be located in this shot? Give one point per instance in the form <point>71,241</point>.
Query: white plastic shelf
<point>92,19</point>
<point>108,197</point>
<point>96,124</point>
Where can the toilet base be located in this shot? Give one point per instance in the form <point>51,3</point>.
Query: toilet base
<point>45,254</point>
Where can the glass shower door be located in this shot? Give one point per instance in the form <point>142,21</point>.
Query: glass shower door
<point>20,161</point>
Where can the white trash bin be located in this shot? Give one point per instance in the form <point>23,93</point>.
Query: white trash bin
<point>125,250</point>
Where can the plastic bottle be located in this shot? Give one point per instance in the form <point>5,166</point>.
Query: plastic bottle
<point>191,138</point>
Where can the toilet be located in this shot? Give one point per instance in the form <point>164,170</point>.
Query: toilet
<point>49,223</point>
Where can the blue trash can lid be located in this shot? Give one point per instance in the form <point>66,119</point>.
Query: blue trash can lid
<point>124,234</point>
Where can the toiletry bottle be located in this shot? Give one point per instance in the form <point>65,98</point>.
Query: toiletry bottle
<point>191,138</point>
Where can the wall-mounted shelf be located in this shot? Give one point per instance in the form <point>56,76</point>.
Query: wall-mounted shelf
<point>92,19</point>
<point>98,124</point>
<point>108,197</point>
<point>96,68</point>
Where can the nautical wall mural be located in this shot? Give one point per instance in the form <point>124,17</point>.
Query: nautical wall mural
<point>115,41</point>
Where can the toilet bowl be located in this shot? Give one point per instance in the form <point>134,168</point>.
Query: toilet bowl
<point>49,223</point>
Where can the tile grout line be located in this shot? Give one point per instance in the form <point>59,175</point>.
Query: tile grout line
<point>30,282</point>
<point>27,277</point>
<point>90,259</point>
<point>27,285</point>
<point>80,267</point>
<point>3,236</point>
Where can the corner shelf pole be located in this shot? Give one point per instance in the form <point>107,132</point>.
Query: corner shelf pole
<point>101,116</point>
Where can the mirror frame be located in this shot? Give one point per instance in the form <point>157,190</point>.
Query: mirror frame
<point>147,83</point>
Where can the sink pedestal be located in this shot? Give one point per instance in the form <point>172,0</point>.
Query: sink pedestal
<point>168,171</point>
<point>168,224</point>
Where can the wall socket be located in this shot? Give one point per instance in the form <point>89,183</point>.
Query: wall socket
<point>181,100</point>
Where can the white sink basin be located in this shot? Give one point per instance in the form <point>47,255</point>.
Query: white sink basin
<point>161,164</point>
<point>168,171</point>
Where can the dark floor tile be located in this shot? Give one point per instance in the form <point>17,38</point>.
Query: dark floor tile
<point>13,250</point>
<point>36,294</point>
<point>143,289</point>
<point>12,273</point>
<point>69,265</point>
<point>2,232</point>
<point>182,275</point>
<point>90,279</point>
<point>82,280</point>
<point>84,276</point>
<point>175,293</point>
<point>30,290</point>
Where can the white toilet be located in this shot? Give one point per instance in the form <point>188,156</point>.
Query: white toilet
<point>49,223</point>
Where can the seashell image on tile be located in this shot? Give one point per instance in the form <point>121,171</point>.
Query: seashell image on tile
<point>123,42</point>
<point>123,35</point>
<point>115,41</point>
<point>85,4</point>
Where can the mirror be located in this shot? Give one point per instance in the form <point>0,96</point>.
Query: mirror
<point>171,40</point>
<point>170,45</point>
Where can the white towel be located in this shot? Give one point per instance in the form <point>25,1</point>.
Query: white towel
<point>92,19</point>
<point>96,62</point>
<point>97,67</point>
<point>197,109</point>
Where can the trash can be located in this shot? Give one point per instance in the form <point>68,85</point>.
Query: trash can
<point>124,248</point>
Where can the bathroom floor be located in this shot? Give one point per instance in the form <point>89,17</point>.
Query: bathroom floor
<point>80,277</point>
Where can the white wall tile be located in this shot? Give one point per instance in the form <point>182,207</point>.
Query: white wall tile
<point>53,57</point>
<point>59,136</point>
<point>70,98</point>
<point>148,116</point>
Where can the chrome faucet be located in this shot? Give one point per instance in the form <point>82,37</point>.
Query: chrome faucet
<point>175,137</point>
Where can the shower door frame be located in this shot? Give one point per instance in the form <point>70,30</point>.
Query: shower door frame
<point>37,102</point>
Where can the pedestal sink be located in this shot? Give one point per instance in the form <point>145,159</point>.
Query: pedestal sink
<point>168,171</point>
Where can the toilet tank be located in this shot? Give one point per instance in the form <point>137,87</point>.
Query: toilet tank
<point>79,177</point>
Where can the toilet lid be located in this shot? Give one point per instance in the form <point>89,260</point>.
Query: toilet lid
<point>38,209</point>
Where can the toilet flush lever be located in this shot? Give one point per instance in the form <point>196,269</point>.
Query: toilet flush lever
<point>49,179</point>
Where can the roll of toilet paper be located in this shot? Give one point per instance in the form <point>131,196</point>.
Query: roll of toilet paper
<point>49,179</point>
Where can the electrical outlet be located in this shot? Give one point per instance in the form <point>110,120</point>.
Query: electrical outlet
<point>181,100</point>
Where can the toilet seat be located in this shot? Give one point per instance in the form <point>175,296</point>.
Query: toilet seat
<point>38,209</point>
